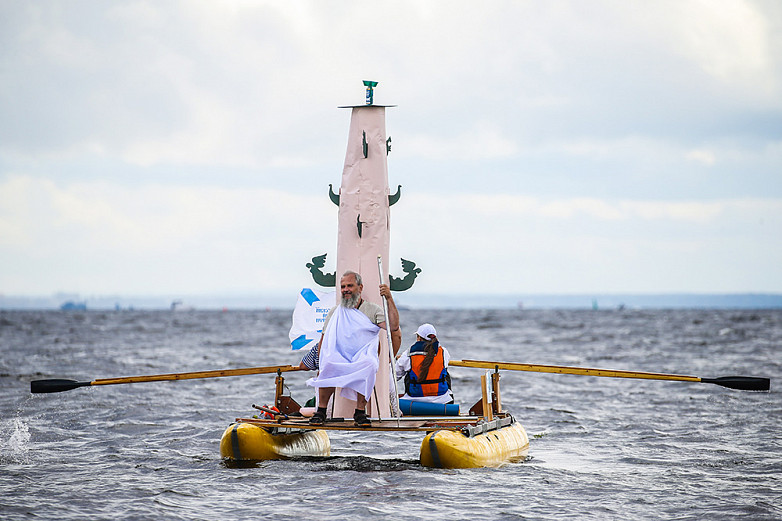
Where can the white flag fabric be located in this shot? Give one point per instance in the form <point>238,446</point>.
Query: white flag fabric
<point>309,315</point>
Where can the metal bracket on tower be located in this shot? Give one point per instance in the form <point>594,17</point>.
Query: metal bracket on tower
<point>359,224</point>
<point>334,197</point>
<point>392,199</point>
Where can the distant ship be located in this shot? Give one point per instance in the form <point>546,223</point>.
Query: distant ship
<point>178,305</point>
<point>74,306</point>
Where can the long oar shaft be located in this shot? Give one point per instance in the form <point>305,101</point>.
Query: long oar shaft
<point>559,369</point>
<point>195,374</point>
<point>747,383</point>
<point>58,385</point>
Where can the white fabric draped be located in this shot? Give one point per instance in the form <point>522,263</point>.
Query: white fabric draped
<point>348,355</point>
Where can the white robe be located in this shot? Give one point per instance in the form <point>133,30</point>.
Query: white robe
<point>348,355</point>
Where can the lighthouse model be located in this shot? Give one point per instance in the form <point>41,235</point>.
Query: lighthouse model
<point>363,230</point>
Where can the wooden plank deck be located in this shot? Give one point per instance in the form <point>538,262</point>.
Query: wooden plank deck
<point>384,425</point>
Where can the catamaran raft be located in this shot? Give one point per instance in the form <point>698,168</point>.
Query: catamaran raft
<point>486,436</point>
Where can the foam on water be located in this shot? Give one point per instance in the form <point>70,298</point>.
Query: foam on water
<point>14,441</point>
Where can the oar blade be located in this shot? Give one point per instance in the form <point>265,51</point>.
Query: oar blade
<point>55,385</point>
<point>743,383</point>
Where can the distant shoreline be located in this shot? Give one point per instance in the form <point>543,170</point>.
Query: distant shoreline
<point>411,301</point>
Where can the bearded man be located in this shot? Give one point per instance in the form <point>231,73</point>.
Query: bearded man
<point>348,349</point>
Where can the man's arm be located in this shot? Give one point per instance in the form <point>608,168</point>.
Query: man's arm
<point>393,318</point>
<point>311,359</point>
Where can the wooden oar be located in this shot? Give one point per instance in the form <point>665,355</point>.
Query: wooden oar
<point>744,383</point>
<point>59,385</point>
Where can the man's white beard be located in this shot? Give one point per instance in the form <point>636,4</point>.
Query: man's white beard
<point>351,302</point>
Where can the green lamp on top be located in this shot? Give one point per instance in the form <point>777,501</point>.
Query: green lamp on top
<point>370,85</point>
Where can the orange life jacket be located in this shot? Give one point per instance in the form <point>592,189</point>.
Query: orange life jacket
<point>434,382</point>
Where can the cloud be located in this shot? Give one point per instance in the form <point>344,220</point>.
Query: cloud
<point>732,42</point>
<point>522,244</point>
<point>479,142</point>
<point>190,144</point>
<point>498,208</point>
<point>703,156</point>
<point>167,239</point>
<point>220,84</point>
<point>53,234</point>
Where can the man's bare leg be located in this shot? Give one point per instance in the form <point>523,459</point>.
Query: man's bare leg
<point>324,393</point>
<point>361,402</point>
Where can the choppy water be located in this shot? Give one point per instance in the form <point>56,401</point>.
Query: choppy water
<point>601,448</point>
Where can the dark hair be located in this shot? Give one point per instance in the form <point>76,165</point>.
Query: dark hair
<point>430,349</point>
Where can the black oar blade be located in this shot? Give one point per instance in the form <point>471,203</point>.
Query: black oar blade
<point>55,385</point>
<point>743,383</point>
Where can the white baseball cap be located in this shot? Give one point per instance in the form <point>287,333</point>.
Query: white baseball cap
<point>425,330</point>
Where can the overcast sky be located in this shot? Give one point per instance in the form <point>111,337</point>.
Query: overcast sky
<point>542,147</point>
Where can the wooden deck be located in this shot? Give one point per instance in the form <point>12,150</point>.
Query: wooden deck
<point>453,423</point>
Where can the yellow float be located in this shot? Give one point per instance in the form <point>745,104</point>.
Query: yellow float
<point>243,441</point>
<point>455,450</point>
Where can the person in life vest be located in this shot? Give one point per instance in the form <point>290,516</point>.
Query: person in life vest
<point>425,369</point>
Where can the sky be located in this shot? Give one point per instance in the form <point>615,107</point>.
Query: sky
<point>543,147</point>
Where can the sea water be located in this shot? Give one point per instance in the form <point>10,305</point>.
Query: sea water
<point>600,448</point>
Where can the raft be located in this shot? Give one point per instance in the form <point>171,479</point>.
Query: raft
<point>450,441</point>
<point>487,436</point>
